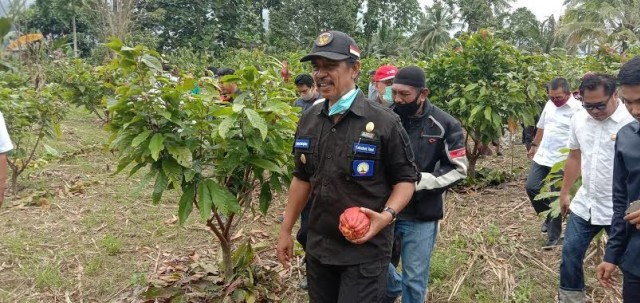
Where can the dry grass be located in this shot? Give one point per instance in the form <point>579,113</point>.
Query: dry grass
<point>92,237</point>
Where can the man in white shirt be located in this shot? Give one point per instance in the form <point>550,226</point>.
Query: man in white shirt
<point>552,136</point>
<point>591,143</point>
<point>5,147</point>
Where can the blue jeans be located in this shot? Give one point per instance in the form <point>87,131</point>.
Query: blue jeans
<point>417,238</point>
<point>577,238</point>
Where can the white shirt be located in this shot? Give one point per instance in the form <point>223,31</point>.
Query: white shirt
<point>596,141</point>
<point>555,121</point>
<point>5,141</point>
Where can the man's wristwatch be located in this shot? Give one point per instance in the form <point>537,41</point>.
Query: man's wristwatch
<point>534,144</point>
<point>393,213</point>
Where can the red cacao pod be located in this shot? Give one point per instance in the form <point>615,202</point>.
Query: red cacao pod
<point>354,224</point>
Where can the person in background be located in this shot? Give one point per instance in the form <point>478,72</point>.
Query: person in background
<point>306,88</point>
<point>591,149</point>
<point>5,147</point>
<point>551,137</point>
<point>372,87</point>
<point>623,247</point>
<point>228,91</point>
<point>438,143</point>
<point>382,80</point>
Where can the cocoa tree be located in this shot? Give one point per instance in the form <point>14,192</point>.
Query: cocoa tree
<point>217,153</point>
<point>32,114</point>
<point>483,82</point>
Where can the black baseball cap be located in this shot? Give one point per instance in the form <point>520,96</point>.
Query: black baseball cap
<point>333,45</point>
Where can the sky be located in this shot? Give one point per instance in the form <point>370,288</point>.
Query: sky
<point>541,8</point>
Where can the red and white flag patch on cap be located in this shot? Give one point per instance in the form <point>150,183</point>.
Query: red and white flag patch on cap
<point>354,50</point>
<point>458,153</point>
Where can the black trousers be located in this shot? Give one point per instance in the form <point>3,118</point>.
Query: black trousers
<point>535,179</point>
<point>361,283</point>
<point>630,288</point>
<point>534,183</point>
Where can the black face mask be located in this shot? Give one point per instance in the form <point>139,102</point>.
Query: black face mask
<point>407,109</point>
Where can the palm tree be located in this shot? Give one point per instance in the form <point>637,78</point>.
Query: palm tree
<point>549,39</point>
<point>477,14</point>
<point>388,42</point>
<point>588,24</point>
<point>434,29</point>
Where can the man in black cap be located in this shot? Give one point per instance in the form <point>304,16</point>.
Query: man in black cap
<point>438,142</point>
<point>348,152</point>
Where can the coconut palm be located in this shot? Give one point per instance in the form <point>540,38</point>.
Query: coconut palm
<point>434,29</point>
<point>588,24</point>
<point>388,42</point>
<point>477,14</point>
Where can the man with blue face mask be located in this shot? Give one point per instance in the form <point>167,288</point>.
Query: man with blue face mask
<point>382,81</point>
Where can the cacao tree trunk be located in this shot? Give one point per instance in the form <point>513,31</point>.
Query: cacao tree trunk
<point>14,183</point>
<point>227,259</point>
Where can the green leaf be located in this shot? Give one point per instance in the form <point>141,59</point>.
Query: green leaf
<point>182,154</point>
<point>189,174</point>
<point>225,126</point>
<point>265,197</point>
<point>145,181</point>
<point>172,169</point>
<point>152,62</point>
<point>475,110</point>
<point>51,151</point>
<point>205,201</point>
<point>186,203</point>
<point>161,184</point>
<point>487,114</point>
<point>156,146</point>
<point>140,138</point>
<point>471,87</point>
<point>547,195</point>
<point>257,122</point>
<point>237,107</point>
<point>265,164</point>
<point>224,201</point>
<point>115,44</point>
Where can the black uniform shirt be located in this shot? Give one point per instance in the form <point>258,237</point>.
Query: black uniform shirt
<point>355,162</point>
<point>623,247</point>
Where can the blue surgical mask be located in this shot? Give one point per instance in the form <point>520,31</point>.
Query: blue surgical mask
<point>344,103</point>
<point>388,95</point>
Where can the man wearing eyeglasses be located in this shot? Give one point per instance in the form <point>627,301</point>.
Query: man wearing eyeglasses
<point>591,143</point>
<point>551,137</point>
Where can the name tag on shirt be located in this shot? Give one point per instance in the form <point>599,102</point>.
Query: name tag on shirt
<point>302,143</point>
<point>365,148</point>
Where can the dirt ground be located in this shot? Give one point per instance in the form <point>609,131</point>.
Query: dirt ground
<point>76,233</point>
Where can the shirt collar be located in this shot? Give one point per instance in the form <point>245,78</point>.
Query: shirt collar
<point>572,102</point>
<point>620,113</point>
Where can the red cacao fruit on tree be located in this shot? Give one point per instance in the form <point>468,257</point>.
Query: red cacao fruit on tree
<point>354,224</point>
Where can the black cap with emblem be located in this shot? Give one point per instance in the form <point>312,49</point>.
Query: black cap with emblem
<point>333,45</point>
